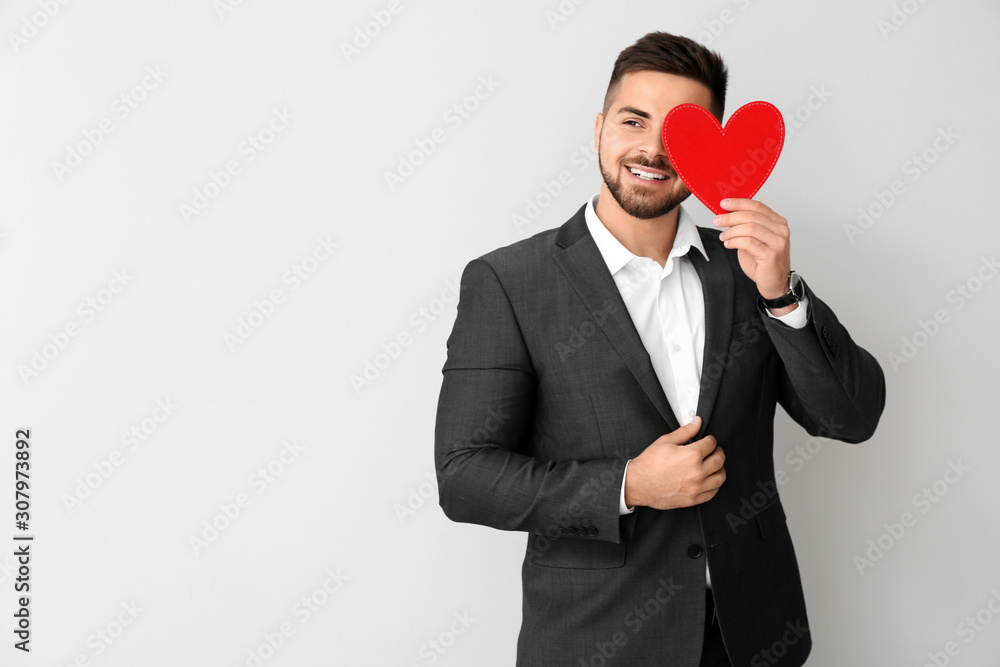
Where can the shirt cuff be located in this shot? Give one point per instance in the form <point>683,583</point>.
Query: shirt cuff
<point>622,507</point>
<point>795,319</point>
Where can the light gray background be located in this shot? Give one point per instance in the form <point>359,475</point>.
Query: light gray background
<point>402,578</point>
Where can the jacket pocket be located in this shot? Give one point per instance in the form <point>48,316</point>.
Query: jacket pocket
<point>580,554</point>
<point>771,519</point>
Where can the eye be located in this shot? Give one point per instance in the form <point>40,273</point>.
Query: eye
<point>631,120</point>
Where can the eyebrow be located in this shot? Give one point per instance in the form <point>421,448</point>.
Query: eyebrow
<point>633,111</point>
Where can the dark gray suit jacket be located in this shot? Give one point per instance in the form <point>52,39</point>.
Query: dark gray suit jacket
<point>548,390</point>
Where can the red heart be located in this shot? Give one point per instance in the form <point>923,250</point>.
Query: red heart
<point>716,163</point>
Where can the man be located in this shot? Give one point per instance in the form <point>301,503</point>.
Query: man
<point>610,389</point>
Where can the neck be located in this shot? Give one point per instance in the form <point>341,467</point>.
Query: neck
<point>653,238</point>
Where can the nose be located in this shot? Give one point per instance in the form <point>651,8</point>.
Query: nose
<point>651,145</point>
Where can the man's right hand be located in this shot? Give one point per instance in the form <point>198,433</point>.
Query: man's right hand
<point>669,474</point>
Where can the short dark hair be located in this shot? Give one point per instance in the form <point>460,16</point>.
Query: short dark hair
<point>673,54</point>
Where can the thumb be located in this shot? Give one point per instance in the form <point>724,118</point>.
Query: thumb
<point>688,431</point>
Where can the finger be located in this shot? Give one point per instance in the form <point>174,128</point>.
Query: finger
<point>762,215</point>
<point>756,249</point>
<point>714,461</point>
<point>705,496</point>
<point>771,219</point>
<point>743,204</point>
<point>716,479</point>
<point>706,446</point>
<point>741,218</point>
<point>763,254</point>
<point>769,237</point>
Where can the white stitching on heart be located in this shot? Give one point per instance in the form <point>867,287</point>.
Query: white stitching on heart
<point>777,154</point>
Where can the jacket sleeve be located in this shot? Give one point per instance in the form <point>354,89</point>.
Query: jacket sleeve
<point>485,418</point>
<point>831,386</point>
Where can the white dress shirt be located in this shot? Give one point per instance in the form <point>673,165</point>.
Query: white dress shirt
<point>667,306</point>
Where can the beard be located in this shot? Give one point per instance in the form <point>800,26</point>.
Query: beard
<point>632,198</point>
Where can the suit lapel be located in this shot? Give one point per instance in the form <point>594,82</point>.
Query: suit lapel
<point>716,276</point>
<point>584,267</point>
<point>586,270</point>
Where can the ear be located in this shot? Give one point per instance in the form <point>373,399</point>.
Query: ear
<point>598,125</point>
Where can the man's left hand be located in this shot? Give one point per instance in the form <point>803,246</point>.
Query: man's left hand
<point>760,237</point>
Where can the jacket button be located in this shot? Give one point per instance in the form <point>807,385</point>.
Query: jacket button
<point>562,530</point>
<point>571,530</point>
<point>592,531</point>
<point>694,551</point>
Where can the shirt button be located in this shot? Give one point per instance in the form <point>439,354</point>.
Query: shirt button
<point>677,348</point>
<point>694,551</point>
<point>690,413</point>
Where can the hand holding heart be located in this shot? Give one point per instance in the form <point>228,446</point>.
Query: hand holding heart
<point>760,237</point>
<point>731,164</point>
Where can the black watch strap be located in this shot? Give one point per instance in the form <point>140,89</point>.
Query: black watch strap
<point>788,298</point>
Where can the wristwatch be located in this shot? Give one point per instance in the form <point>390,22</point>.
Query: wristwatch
<point>793,295</point>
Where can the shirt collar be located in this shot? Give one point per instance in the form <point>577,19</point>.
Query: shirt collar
<point>616,255</point>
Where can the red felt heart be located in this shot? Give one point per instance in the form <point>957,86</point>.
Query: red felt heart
<point>716,163</point>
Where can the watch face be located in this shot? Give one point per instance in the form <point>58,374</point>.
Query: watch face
<point>793,286</point>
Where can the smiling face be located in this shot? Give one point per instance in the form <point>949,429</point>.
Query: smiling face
<point>629,139</point>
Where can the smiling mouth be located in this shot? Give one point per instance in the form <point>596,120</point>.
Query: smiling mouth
<point>647,174</point>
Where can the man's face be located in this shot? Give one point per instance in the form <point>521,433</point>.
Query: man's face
<point>629,141</point>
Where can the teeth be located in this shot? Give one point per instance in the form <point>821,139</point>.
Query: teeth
<point>646,175</point>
